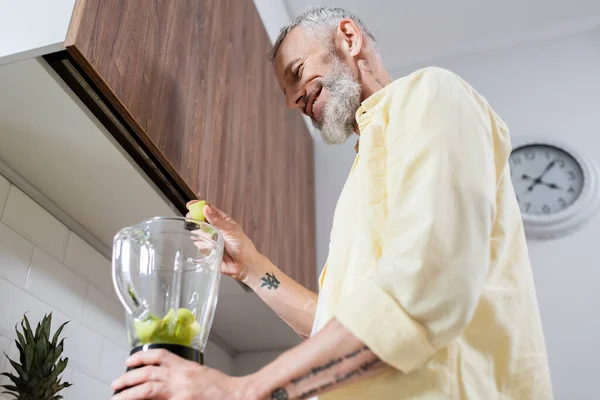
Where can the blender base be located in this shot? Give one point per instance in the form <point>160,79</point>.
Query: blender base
<point>186,352</point>
<point>182,351</point>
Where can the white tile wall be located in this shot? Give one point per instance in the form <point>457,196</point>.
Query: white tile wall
<point>15,256</point>
<point>4,348</point>
<point>13,353</point>
<point>84,260</point>
<point>105,316</point>
<point>36,224</point>
<point>112,362</point>
<point>45,268</point>
<point>88,388</point>
<point>14,303</point>
<point>56,284</point>
<point>83,346</point>
<point>4,187</point>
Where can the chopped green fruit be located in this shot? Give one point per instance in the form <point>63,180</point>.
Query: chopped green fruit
<point>197,210</point>
<point>169,317</point>
<point>185,316</point>
<point>180,329</point>
<point>145,328</point>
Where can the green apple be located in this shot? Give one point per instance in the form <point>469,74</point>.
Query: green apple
<point>176,328</point>
<point>146,327</point>
<point>197,210</point>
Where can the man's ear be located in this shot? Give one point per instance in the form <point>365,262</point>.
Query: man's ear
<point>349,37</point>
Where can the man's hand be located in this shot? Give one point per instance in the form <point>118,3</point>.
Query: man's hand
<point>295,304</point>
<point>164,376</point>
<point>240,258</point>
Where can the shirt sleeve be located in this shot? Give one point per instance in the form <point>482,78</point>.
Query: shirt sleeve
<point>435,254</point>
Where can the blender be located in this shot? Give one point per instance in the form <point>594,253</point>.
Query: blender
<point>166,272</point>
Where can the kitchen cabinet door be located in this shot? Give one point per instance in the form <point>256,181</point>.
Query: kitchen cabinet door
<point>189,83</point>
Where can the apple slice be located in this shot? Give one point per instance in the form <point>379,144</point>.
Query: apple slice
<point>197,210</point>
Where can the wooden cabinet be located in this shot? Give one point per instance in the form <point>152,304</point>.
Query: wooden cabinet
<point>187,90</point>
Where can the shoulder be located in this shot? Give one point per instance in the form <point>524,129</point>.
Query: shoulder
<point>431,82</point>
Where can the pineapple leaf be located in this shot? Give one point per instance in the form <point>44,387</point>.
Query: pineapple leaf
<point>38,330</point>
<point>28,331</point>
<point>22,340</point>
<point>21,353</point>
<point>16,380</point>
<point>29,350</point>
<point>57,333</point>
<point>11,391</point>
<point>19,369</point>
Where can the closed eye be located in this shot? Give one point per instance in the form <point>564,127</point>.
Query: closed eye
<point>297,76</point>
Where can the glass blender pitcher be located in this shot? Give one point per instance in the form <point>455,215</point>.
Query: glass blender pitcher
<point>166,272</point>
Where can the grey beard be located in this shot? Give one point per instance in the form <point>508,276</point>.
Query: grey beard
<point>337,121</point>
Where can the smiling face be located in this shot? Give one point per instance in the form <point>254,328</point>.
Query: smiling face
<point>316,80</point>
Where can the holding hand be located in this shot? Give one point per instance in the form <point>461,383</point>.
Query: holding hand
<point>164,376</point>
<point>240,253</point>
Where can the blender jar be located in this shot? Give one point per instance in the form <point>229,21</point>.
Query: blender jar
<point>166,272</point>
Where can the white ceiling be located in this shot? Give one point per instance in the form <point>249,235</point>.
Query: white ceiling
<point>49,138</point>
<point>416,31</point>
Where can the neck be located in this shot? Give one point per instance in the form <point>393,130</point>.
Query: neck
<point>373,77</point>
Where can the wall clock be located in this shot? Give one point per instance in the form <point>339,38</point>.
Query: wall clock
<point>556,186</point>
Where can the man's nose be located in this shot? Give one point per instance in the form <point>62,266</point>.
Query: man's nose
<point>295,100</point>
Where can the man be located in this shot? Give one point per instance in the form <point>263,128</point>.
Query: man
<point>428,291</point>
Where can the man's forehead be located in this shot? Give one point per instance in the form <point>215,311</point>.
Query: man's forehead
<point>294,46</point>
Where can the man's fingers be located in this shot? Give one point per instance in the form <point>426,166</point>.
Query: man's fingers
<point>139,376</point>
<point>145,391</point>
<point>150,357</point>
<point>216,217</point>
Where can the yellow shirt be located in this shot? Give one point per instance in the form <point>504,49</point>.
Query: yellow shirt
<point>428,261</point>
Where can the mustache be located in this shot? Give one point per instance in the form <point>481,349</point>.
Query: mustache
<point>306,98</point>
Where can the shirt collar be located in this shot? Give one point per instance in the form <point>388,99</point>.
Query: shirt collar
<point>368,107</point>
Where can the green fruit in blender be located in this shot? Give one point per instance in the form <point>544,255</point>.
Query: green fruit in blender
<point>169,317</point>
<point>197,210</point>
<point>146,327</point>
<point>185,316</point>
<point>180,329</point>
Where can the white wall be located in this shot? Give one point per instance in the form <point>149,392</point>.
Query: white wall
<point>548,87</point>
<point>30,28</point>
<point>44,267</point>
<point>250,362</point>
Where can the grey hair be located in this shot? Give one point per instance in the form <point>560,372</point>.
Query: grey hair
<point>320,20</point>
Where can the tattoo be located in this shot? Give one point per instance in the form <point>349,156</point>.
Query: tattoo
<point>280,394</point>
<point>380,83</point>
<point>333,362</point>
<point>364,367</point>
<point>270,281</point>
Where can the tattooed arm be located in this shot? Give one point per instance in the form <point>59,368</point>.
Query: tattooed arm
<point>295,304</point>
<point>332,358</point>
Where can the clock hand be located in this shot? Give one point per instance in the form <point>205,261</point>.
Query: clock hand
<point>548,168</point>
<point>538,180</point>
<point>551,185</point>
<point>535,182</point>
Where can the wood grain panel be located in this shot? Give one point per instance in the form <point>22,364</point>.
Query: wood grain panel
<point>192,80</point>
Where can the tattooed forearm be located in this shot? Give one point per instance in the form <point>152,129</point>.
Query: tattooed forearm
<point>341,373</point>
<point>333,362</point>
<point>270,281</point>
<point>341,378</point>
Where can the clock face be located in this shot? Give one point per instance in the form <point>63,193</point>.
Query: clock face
<point>546,179</point>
